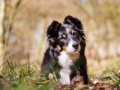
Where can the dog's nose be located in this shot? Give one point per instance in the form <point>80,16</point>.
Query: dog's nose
<point>75,45</point>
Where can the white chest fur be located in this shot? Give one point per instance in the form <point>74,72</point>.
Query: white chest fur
<point>65,62</point>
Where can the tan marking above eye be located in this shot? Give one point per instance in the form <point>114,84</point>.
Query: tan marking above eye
<point>64,36</point>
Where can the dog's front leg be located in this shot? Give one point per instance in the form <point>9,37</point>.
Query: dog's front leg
<point>65,76</point>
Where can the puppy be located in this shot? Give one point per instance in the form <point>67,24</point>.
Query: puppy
<point>65,55</point>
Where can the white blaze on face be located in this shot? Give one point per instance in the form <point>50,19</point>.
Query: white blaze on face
<point>70,47</point>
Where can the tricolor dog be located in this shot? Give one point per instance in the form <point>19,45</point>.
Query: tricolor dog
<point>65,55</point>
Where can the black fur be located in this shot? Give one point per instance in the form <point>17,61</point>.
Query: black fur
<point>50,62</point>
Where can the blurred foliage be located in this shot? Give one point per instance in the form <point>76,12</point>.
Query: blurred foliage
<point>30,19</point>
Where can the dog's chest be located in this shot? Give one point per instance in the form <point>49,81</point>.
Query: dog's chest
<point>65,62</point>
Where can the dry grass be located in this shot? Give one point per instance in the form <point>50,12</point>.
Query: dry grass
<point>27,77</point>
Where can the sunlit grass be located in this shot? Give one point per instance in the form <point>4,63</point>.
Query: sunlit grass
<point>101,70</point>
<point>28,77</point>
<point>24,77</point>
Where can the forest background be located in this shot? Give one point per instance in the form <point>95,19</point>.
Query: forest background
<point>23,25</point>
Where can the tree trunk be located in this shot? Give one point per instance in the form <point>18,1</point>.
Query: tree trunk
<point>2,12</point>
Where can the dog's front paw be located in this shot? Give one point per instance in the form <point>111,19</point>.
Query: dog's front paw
<point>64,81</point>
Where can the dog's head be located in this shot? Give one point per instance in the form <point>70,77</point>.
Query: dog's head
<point>67,36</point>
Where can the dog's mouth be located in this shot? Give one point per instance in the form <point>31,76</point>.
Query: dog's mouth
<point>73,50</point>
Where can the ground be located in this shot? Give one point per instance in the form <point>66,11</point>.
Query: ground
<point>103,76</point>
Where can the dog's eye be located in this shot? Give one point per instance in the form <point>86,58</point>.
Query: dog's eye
<point>73,33</point>
<point>64,36</point>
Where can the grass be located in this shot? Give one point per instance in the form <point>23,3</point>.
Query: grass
<point>24,77</point>
<point>28,77</point>
<point>114,72</point>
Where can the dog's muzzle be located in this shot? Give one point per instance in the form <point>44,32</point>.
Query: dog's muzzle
<point>73,47</point>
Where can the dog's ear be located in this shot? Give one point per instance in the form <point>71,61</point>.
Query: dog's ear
<point>76,23</point>
<point>52,32</point>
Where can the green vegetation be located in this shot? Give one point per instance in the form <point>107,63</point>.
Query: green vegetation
<point>28,77</point>
<point>24,77</point>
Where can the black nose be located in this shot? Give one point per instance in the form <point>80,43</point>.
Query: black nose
<point>75,45</point>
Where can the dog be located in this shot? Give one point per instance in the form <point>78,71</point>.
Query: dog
<point>65,55</point>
